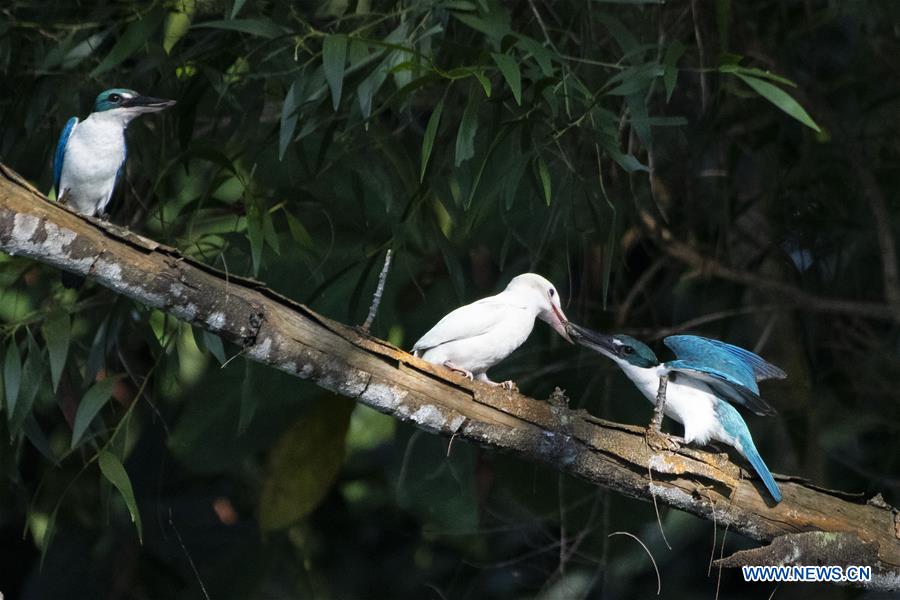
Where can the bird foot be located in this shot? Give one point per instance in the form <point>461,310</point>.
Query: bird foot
<point>659,441</point>
<point>509,384</point>
<point>464,372</point>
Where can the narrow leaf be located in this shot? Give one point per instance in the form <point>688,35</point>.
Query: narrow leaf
<point>213,343</point>
<point>32,378</point>
<point>304,464</point>
<point>299,232</point>
<point>114,471</point>
<point>288,118</point>
<point>248,397</point>
<point>12,376</point>
<point>546,182</point>
<point>510,70</point>
<point>670,63</point>
<point>484,81</point>
<point>780,99</point>
<point>264,28</point>
<point>468,126</point>
<point>91,404</point>
<point>334,56</point>
<point>57,333</point>
<point>236,8</point>
<point>431,130</point>
<point>134,37</point>
<point>255,233</point>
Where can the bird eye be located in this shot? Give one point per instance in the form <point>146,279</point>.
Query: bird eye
<point>627,350</point>
<point>552,292</point>
<point>114,97</point>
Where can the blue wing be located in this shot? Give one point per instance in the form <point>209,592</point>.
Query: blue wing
<point>723,367</point>
<point>762,369</point>
<point>735,427</point>
<point>60,155</point>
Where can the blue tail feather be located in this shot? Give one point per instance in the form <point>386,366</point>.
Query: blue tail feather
<point>734,425</point>
<point>750,453</point>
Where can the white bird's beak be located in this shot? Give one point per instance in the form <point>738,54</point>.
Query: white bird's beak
<point>558,322</point>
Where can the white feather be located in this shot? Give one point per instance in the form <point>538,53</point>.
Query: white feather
<point>688,401</point>
<point>94,153</point>
<point>477,336</point>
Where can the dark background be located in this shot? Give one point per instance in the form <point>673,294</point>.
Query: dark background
<point>753,227</point>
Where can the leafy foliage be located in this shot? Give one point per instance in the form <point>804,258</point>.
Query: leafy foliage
<point>607,145</point>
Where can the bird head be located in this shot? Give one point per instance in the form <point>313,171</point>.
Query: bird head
<point>543,295</point>
<point>128,103</point>
<point>621,348</point>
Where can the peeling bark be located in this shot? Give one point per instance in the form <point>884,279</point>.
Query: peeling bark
<point>278,332</point>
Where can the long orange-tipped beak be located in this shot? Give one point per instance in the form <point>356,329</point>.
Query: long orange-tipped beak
<point>558,323</point>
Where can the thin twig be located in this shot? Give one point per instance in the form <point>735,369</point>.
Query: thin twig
<point>188,555</point>
<point>712,553</point>
<point>379,290</point>
<point>647,550</point>
<point>662,532</point>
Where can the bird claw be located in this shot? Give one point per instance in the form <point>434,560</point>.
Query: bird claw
<point>509,384</point>
<point>660,441</point>
<point>465,373</point>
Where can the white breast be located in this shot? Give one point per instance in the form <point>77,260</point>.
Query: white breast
<point>94,154</point>
<point>688,401</point>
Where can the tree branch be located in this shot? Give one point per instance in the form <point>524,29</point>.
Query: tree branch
<point>276,331</point>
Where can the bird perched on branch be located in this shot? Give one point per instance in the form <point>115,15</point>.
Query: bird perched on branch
<point>91,154</point>
<point>475,337</point>
<point>696,389</point>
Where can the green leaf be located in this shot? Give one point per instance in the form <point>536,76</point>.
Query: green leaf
<point>510,69</point>
<point>431,130</point>
<point>114,471</point>
<point>134,38</point>
<point>468,127</point>
<point>178,23</point>
<point>541,55</point>
<point>780,99</point>
<point>334,56</point>
<point>298,231</point>
<point>484,81</point>
<point>262,27</point>
<point>255,233</point>
<point>32,378</point>
<point>236,8</point>
<point>57,333</point>
<point>304,464</point>
<point>670,64</point>
<point>289,114</point>
<point>91,404</point>
<point>213,343</point>
<point>546,181</point>
<point>248,397</point>
<point>12,376</point>
<point>493,25</point>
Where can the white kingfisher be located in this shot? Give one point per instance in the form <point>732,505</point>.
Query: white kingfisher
<point>91,154</point>
<point>696,389</point>
<point>475,337</point>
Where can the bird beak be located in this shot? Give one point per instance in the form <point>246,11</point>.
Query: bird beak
<point>147,104</point>
<point>592,339</point>
<point>559,323</point>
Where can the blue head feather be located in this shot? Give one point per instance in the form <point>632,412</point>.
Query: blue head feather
<point>112,98</point>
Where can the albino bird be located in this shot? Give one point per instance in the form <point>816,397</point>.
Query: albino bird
<point>475,337</point>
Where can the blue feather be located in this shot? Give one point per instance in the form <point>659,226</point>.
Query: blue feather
<point>761,368</point>
<point>60,155</point>
<point>735,426</point>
